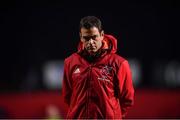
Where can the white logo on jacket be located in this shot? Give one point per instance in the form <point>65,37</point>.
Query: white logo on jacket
<point>77,70</point>
<point>105,71</point>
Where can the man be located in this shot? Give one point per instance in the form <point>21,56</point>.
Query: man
<point>97,82</point>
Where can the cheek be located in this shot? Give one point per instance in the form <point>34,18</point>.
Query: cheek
<point>99,43</point>
<point>86,44</point>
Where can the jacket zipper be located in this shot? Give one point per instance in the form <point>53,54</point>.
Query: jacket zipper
<point>88,86</point>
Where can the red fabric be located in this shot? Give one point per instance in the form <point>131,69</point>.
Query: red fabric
<point>102,89</point>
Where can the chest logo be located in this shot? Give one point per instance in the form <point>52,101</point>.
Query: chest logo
<point>77,71</point>
<point>105,72</point>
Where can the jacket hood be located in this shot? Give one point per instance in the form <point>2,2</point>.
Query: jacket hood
<point>109,43</point>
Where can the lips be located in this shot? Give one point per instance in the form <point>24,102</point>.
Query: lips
<point>91,47</point>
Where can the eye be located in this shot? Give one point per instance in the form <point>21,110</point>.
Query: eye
<point>86,38</point>
<point>94,37</point>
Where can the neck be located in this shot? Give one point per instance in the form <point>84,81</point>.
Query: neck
<point>92,56</point>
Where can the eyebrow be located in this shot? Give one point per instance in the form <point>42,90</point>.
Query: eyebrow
<point>88,37</point>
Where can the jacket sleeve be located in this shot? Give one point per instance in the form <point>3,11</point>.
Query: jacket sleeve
<point>66,86</point>
<point>126,87</point>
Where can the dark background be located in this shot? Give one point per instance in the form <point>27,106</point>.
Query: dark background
<point>33,32</point>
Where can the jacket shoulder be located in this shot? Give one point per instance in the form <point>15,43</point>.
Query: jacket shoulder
<point>70,58</point>
<point>118,58</point>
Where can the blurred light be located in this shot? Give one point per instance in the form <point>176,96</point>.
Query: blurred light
<point>135,66</point>
<point>171,74</point>
<point>53,74</point>
<point>166,73</point>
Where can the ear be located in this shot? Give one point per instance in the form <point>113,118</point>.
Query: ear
<point>102,33</point>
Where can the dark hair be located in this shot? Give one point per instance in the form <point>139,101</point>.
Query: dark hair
<point>89,22</point>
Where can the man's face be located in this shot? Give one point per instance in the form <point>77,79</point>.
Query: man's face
<point>92,39</point>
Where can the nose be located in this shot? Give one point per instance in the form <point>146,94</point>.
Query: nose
<point>91,41</point>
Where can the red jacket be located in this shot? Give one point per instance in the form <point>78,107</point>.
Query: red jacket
<point>98,89</point>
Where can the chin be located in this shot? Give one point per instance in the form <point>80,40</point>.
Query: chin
<point>92,51</point>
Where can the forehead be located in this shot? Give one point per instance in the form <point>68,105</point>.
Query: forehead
<point>91,31</point>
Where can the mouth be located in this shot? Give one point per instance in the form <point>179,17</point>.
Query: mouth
<point>91,48</point>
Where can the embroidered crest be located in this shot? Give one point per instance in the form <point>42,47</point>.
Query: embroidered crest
<point>105,72</point>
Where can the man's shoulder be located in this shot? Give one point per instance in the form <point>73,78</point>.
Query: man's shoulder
<point>118,58</point>
<point>71,57</point>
